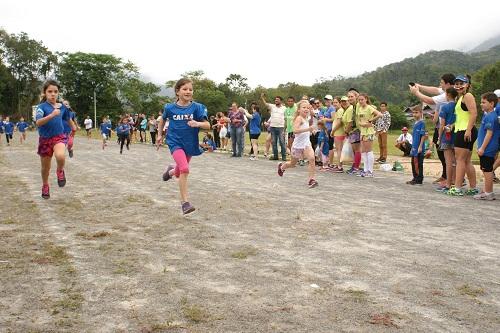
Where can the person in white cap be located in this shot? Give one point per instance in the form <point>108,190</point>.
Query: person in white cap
<point>328,115</point>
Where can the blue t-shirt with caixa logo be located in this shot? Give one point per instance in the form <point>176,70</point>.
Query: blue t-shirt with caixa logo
<point>54,126</point>
<point>180,135</point>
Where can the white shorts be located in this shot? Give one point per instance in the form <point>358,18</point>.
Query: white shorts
<point>104,136</point>
<point>223,133</point>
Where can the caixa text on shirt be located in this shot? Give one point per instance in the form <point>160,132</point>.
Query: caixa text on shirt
<point>182,117</point>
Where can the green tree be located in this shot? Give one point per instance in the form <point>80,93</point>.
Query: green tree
<point>30,63</point>
<point>82,74</point>
<point>487,79</point>
<point>205,91</point>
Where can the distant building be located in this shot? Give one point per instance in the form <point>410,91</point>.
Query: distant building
<point>428,111</point>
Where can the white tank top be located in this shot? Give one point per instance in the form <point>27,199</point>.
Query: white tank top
<point>302,140</point>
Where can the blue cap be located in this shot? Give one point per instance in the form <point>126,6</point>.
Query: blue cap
<point>462,78</point>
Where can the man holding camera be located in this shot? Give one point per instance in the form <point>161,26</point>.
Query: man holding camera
<point>437,100</point>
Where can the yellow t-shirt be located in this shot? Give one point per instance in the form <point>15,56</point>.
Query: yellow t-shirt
<point>364,115</point>
<point>338,119</point>
<point>347,117</point>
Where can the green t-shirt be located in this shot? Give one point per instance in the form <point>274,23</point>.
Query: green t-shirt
<point>338,116</point>
<point>347,117</point>
<point>289,113</point>
<point>363,116</point>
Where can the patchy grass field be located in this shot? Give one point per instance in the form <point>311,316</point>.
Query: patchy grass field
<point>111,252</point>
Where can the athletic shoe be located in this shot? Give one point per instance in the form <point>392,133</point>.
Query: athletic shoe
<point>265,155</point>
<point>352,171</point>
<point>272,158</point>
<point>61,178</point>
<point>442,189</point>
<point>302,162</point>
<point>382,161</point>
<point>413,182</point>
<point>252,158</point>
<point>312,183</point>
<point>45,191</point>
<point>187,208</point>
<point>70,153</point>
<point>280,171</point>
<point>456,192</point>
<point>368,174</point>
<point>362,173</point>
<point>472,191</point>
<point>166,174</point>
<point>484,196</point>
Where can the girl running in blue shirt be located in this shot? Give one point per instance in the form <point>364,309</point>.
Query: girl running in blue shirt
<point>185,119</point>
<point>123,132</point>
<point>21,127</point>
<point>50,116</point>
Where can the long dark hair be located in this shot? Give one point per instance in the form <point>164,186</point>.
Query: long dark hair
<point>46,86</point>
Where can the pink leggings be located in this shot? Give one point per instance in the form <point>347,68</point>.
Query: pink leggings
<point>181,161</point>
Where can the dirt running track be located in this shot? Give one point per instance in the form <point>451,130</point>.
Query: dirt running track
<point>111,252</point>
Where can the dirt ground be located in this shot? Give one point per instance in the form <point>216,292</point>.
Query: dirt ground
<point>111,252</point>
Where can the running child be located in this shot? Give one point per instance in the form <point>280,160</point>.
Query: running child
<point>88,127</point>
<point>9,129</point>
<point>70,134</point>
<point>301,147</point>
<point>49,118</point>
<point>324,145</point>
<point>21,127</point>
<point>105,127</point>
<point>417,148</point>
<point>123,132</point>
<point>186,118</point>
<point>487,144</point>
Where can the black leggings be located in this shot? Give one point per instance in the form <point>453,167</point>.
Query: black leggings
<point>153,137</point>
<point>439,152</point>
<point>9,137</point>
<point>122,139</point>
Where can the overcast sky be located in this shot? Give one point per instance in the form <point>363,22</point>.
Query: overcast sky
<point>269,42</point>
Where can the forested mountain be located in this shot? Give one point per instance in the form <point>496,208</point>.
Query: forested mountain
<point>390,82</point>
<point>486,45</point>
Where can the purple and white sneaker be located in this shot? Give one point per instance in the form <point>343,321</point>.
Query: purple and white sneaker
<point>166,174</point>
<point>187,208</point>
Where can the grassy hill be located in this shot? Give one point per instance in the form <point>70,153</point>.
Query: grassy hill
<point>390,83</point>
